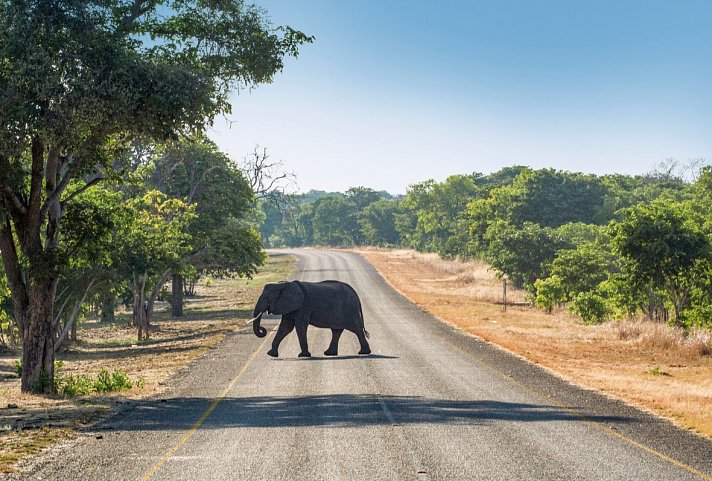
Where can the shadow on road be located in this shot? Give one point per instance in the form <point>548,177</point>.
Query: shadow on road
<point>332,358</point>
<point>342,410</point>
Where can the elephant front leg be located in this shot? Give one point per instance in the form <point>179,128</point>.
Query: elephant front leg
<point>334,346</point>
<point>302,335</point>
<point>285,327</point>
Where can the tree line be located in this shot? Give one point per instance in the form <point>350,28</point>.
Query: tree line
<point>603,246</point>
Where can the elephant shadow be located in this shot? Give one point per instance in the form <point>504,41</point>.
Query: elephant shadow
<point>333,358</point>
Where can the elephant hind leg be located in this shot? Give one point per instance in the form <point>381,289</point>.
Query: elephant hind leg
<point>365,348</point>
<point>334,346</point>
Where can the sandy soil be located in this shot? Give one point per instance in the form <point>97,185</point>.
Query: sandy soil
<point>649,365</point>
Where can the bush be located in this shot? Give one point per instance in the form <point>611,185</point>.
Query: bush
<point>118,381</point>
<point>697,316</point>
<point>591,307</point>
<point>549,293</point>
<point>70,386</point>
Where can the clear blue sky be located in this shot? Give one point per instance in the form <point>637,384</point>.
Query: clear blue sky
<point>394,92</point>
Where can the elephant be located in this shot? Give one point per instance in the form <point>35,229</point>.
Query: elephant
<point>328,304</point>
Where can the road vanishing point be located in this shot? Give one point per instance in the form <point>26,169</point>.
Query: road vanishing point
<point>430,403</point>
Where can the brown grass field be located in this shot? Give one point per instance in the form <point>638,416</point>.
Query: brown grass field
<point>653,366</point>
<point>30,423</point>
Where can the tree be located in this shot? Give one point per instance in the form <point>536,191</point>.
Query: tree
<point>151,246</point>
<point>549,293</point>
<point>522,253</point>
<point>334,222</point>
<point>582,269</point>
<point>90,225</point>
<point>665,249</point>
<point>439,210</point>
<point>196,172</point>
<point>79,79</point>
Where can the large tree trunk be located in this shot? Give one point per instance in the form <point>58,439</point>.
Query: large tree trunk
<point>33,302</point>
<point>177,296</point>
<point>38,342</point>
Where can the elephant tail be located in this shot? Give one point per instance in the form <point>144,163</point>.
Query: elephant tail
<point>363,323</point>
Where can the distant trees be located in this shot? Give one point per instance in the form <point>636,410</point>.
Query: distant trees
<point>604,246</point>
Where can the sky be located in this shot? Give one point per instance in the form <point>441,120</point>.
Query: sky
<point>396,92</point>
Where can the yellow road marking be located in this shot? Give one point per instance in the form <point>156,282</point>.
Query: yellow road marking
<point>586,419</point>
<point>153,469</point>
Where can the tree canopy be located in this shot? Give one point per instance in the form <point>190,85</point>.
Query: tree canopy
<point>79,82</point>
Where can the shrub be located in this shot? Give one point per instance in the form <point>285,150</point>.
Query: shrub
<point>549,293</point>
<point>117,381</point>
<point>69,386</point>
<point>590,306</point>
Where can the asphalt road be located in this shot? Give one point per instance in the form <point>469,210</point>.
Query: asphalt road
<point>430,403</point>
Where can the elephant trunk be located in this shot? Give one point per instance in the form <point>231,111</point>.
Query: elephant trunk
<point>257,317</point>
<point>259,330</point>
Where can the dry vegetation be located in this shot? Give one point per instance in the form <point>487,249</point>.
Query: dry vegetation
<point>30,423</point>
<point>654,366</point>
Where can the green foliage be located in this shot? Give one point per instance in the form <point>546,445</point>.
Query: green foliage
<point>438,210</point>
<point>549,293</point>
<point>609,246</point>
<point>523,253</point>
<point>590,306</point>
<point>334,222</point>
<point>80,81</point>
<point>583,268</point>
<point>664,248</point>
<point>70,386</point>
<point>378,223</point>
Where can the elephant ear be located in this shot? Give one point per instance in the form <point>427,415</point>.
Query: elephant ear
<point>290,299</point>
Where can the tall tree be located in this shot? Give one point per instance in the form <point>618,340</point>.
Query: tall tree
<point>195,171</point>
<point>78,80</point>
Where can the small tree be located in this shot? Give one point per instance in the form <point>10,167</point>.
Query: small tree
<point>150,248</point>
<point>664,249</point>
<point>549,293</point>
<point>590,306</point>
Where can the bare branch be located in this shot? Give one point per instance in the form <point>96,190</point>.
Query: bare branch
<point>268,180</point>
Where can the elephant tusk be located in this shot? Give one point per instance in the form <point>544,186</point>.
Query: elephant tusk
<point>254,319</point>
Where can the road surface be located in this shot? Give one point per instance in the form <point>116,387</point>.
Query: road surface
<point>430,403</point>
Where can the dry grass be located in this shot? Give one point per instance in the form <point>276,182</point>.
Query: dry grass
<point>30,423</point>
<point>655,336</point>
<point>473,279</point>
<point>651,365</point>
